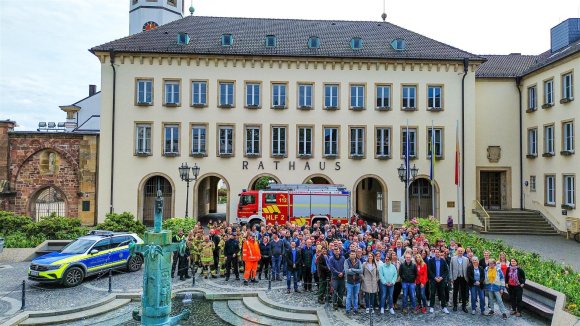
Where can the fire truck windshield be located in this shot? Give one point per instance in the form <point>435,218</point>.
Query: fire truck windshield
<point>247,200</point>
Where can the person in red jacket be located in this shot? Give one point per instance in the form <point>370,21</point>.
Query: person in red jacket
<point>421,282</point>
<point>251,256</point>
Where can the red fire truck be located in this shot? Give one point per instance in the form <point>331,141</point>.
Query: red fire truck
<point>301,204</point>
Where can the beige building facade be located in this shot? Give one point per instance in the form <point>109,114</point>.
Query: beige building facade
<point>330,103</point>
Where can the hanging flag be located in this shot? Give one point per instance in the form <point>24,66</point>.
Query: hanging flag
<point>407,154</point>
<point>433,153</point>
<point>457,154</point>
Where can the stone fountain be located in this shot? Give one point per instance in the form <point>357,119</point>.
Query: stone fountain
<point>157,250</point>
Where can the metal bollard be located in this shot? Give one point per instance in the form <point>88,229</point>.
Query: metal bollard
<point>270,279</point>
<point>110,280</point>
<point>371,316</point>
<point>193,271</point>
<point>23,295</point>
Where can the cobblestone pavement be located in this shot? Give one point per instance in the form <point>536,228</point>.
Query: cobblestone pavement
<point>555,248</point>
<point>51,297</point>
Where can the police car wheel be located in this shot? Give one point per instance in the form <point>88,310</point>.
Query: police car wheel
<point>72,277</point>
<point>134,263</point>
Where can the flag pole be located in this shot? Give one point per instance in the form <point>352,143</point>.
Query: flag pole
<point>407,172</point>
<point>457,177</point>
<point>433,170</point>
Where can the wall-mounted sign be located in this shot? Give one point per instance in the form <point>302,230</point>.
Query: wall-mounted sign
<point>291,165</point>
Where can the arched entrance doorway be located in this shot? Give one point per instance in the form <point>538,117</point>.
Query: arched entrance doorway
<point>46,202</point>
<point>318,179</point>
<point>261,181</point>
<point>370,198</point>
<point>212,198</point>
<point>422,198</point>
<point>149,193</point>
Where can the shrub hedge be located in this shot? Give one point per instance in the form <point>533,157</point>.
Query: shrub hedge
<point>549,273</point>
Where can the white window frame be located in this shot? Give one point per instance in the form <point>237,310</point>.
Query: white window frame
<point>409,101</point>
<point>412,143</point>
<point>331,95</point>
<point>304,141</point>
<point>332,143</point>
<point>226,140</point>
<point>532,183</point>
<point>568,136</point>
<point>550,189</point>
<point>549,139</point>
<point>172,92</point>
<point>357,96</point>
<point>380,201</point>
<point>357,141</point>
<point>252,134</point>
<point>438,142</point>
<point>434,100</point>
<point>171,142</point>
<point>143,139</point>
<point>253,94</point>
<point>305,92</point>
<point>279,95</point>
<point>569,190</point>
<point>568,86</point>
<point>533,142</point>
<point>549,92</point>
<point>145,91</point>
<point>383,96</point>
<point>198,140</point>
<point>383,142</point>
<point>279,146</point>
<point>227,93</point>
<point>199,92</point>
<point>532,98</point>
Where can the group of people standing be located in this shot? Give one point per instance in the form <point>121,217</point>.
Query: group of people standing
<point>373,264</point>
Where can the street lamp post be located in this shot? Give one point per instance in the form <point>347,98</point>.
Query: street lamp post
<point>184,175</point>
<point>407,179</point>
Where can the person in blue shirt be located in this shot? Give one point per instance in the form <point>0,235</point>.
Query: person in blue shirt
<point>437,272</point>
<point>294,264</point>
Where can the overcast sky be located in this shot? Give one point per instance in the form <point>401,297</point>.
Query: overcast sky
<point>44,58</point>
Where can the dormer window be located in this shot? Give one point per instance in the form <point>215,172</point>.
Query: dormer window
<point>314,42</point>
<point>270,41</point>
<point>227,40</point>
<point>398,44</point>
<point>356,43</point>
<point>182,38</point>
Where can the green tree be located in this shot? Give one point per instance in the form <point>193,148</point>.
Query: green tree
<point>264,182</point>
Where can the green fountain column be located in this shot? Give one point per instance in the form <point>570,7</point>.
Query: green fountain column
<point>157,250</point>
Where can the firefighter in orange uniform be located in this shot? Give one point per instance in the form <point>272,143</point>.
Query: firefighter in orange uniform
<point>251,256</point>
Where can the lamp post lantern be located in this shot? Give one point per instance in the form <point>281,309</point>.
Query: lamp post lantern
<point>184,175</point>
<point>407,178</point>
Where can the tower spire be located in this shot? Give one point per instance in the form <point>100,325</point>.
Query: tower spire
<point>191,9</point>
<point>384,15</point>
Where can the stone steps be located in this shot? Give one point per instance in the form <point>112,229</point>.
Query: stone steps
<point>519,222</point>
<point>258,307</point>
<point>46,319</point>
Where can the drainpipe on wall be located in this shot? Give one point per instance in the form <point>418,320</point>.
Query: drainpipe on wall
<point>112,54</point>
<point>518,84</point>
<point>465,69</point>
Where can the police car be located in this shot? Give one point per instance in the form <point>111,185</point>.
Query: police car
<point>88,255</point>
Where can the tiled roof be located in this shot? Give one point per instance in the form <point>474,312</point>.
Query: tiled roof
<point>517,65</point>
<point>292,39</point>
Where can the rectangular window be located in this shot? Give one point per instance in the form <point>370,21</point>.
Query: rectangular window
<point>171,139</point>
<point>253,95</point>
<point>383,142</point>
<point>568,87</point>
<point>568,137</point>
<point>549,140</point>
<point>569,191</point>
<point>172,92</point>
<point>226,94</point>
<point>143,139</point>
<point>383,100</point>
<point>550,190</point>
<point>532,98</point>
<point>279,95</point>
<point>270,41</point>
<point>549,92</point>
<point>533,142</point>
<point>412,142</point>
<point>409,97</point>
<point>532,183</point>
<point>305,96</point>
<point>434,97</point>
<point>278,141</point>
<point>379,201</point>
<point>226,141</point>
<point>253,141</point>
<point>198,140</point>
<point>357,142</point>
<point>145,91</point>
<point>330,141</point>
<point>305,141</point>
<point>199,93</point>
<point>357,96</point>
<point>331,96</point>
<point>438,142</point>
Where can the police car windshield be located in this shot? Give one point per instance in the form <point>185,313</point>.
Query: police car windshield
<point>79,246</point>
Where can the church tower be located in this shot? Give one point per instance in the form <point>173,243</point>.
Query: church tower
<point>145,15</point>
